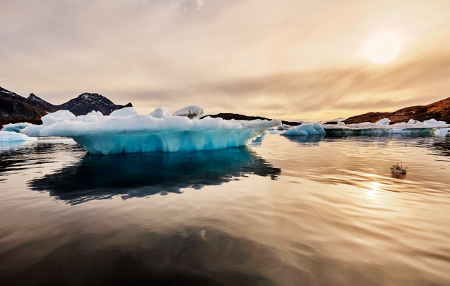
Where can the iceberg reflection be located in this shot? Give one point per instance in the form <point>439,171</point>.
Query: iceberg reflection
<point>144,174</point>
<point>305,139</point>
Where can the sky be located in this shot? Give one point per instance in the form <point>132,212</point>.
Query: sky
<point>289,59</point>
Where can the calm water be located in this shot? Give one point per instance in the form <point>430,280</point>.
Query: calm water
<point>282,211</point>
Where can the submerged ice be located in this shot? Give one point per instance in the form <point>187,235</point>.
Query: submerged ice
<point>126,131</point>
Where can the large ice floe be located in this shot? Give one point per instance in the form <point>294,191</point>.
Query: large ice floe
<point>126,131</point>
<point>382,127</point>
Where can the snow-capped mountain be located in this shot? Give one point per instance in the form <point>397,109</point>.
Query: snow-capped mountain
<point>87,102</point>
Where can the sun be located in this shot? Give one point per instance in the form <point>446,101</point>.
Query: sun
<point>382,47</point>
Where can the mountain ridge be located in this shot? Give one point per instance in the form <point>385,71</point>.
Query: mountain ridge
<point>439,110</point>
<point>16,108</point>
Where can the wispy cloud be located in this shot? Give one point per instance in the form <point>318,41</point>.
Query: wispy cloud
<point>283,58</point>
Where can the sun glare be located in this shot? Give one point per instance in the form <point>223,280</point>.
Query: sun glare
<point>382,47</point>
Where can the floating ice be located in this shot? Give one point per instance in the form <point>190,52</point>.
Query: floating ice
<point>441,132</point>
<point>192,112</point>
<point>15,127</point>
<point>367,128</point>
<point>341,123</point>
<point>126,111</point>
<point>434,121</point>
<point>296,131</point>
<point>8,136</point>
<point>305,129</point>
<point>160,113</point>
<point>383,122</point>
<point>145,133</point>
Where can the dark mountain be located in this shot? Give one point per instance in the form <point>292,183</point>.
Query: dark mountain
<point>87,102</point>
<point>15,108</point>
<point>439,110</point>
<point>40,101</point>
<point>228,116</point>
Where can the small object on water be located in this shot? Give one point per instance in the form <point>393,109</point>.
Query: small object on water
<point>399,169</point>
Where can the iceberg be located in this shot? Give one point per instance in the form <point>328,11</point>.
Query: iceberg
<point>305,130</point>
<point>441,132</point>
<point>15,127</point>
<point>383,122</point>
<point>382,127</point>
<point>435,122</point>
<point>8,136</point>
<point>160,113</point>
<point>111,134</point>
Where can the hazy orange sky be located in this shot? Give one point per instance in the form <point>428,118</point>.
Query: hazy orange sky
<point>290,59</point>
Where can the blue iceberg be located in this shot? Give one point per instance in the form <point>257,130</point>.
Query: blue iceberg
<point>305,130</point>
<point>129,132</point>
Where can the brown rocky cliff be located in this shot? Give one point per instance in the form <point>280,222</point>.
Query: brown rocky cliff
<point>439,110</point>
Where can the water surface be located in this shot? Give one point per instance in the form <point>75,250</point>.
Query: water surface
<point>282,211</point>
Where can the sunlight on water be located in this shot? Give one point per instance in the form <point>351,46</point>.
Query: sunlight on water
<point>282,211</point>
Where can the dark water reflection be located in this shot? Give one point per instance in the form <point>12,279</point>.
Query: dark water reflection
<point>191,257</point>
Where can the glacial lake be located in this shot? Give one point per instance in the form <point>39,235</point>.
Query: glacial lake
<point>281,211</point>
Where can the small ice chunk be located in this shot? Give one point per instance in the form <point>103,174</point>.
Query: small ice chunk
<point>441,132</point>
<point>15,127</point>
<point>295,132</point>
<point>383,122</point>
<point>160,113</point>
<point>305,129</point>
<point>434,121</point>
<point>192,112</point>
<point>412,121</point>
<point>319,128</point>
<point>58,116</point>
<point>126,111</point>
<point>341,123</point>
<point>7,136</point>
